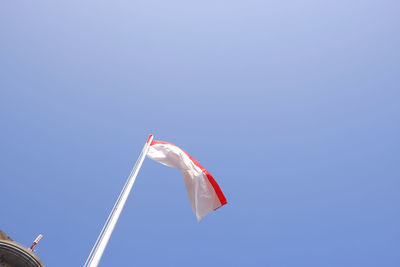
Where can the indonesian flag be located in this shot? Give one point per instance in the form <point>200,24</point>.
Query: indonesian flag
<point>204,192</point>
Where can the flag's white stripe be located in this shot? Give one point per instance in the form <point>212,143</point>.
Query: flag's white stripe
<point>204,193</point>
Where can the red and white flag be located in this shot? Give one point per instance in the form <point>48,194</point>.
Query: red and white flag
<point>204,192</point>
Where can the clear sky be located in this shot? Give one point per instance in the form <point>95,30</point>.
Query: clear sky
<point>293,106</point>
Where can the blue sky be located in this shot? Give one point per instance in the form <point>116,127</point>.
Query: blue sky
<point>293,106</point>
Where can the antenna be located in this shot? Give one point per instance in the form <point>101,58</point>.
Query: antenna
<point>35,242</point>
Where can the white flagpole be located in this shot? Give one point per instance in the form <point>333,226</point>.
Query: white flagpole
<point>105,234</point>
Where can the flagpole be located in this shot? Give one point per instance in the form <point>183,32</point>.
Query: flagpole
<point>105,234</point>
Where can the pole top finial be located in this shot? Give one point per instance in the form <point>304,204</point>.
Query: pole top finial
<point>150,137</point>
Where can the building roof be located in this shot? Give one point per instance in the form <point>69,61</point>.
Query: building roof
<point>13,254</point>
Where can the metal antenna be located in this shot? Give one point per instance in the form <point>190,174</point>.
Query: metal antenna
<point>35,242</point>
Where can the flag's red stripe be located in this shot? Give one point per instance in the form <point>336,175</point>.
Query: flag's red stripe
<point>211,179</point>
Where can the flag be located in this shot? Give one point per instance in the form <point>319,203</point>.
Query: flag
<point>203,191</point>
